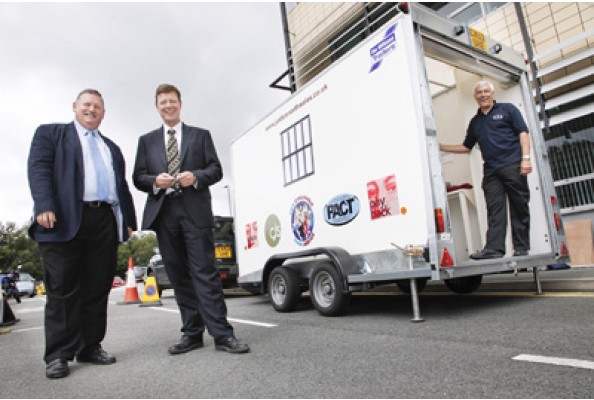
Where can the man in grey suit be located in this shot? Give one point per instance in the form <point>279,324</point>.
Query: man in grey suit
<point>175,165</point>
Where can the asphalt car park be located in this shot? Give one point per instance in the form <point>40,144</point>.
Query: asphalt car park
<point>469,346</point>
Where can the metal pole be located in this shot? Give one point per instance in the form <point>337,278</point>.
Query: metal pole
<point>533,67</point>
<point>288,46</point>
<point>414,295</point>
<point>229,199</point>
<point>536,274</point>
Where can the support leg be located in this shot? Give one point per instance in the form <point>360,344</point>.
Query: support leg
<point>536,273</point>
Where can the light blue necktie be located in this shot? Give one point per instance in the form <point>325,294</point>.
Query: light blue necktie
<point>100,168</point>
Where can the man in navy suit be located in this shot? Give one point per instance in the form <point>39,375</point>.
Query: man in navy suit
<point>82,210</point>
<point>175,165</point>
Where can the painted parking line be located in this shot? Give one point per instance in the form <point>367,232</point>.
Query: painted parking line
<point>35,328</point>
<point>484,294</point>
<point>240,321</point>
<point>567,362</point>
<point>29,310</point>
<point>256,323</point>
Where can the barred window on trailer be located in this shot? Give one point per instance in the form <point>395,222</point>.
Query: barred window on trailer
<point>297,151</point>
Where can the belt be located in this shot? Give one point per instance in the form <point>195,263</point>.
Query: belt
<point>96,204</point>
<point>174,195</point>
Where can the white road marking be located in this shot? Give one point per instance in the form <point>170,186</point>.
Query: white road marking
<point>567,362</point>
<point>240,321</point>
<point>35,328</point>
<point>28,310</point>
<point>256,323</point>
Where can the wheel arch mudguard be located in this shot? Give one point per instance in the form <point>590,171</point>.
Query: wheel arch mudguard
<point>340,258</point>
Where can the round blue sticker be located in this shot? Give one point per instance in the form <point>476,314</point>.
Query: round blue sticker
<point>342,209</point>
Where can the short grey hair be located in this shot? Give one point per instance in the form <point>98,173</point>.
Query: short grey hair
<point>483,83</point>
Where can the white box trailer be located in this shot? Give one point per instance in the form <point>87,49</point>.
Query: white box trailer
<point>343,187</point>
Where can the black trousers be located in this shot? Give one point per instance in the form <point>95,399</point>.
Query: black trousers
<point>188,254</point>
<point>500,186</point>
<point>78,276</point>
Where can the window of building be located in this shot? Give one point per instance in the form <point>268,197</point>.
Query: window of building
<point>297,151</point>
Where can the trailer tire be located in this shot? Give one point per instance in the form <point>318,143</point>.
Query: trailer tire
<point>326,291</point>
<point>404,285</point>
<point>284,290</point>
<point>466,284</point>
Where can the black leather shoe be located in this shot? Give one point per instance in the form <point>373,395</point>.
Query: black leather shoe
<point>232,345</point>
<point>98,356</point>
<point>186,344</point>
<point>520,253</point>
<point>56,369</point>
<point>486,254</point>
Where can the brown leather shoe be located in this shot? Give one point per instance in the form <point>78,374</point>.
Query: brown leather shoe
<point>186,344</point>
<point>232,345</point>
<point>98,356</point>
<point>56,369</point>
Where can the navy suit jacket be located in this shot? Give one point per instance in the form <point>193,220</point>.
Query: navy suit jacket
<point>56,179</point>
<point>197,154</point>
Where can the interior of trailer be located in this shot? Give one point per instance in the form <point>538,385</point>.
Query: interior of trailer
<point>453,107</point>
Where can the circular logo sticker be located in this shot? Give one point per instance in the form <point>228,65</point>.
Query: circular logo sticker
<point>272,230</point>
<point>302,220</point>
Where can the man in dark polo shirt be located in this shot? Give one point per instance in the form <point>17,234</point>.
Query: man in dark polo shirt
<point>503,138</point>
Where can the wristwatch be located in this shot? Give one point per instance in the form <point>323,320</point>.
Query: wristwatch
<point>526,158</point>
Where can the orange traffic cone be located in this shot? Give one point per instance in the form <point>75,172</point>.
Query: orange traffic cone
<point>131,296</point>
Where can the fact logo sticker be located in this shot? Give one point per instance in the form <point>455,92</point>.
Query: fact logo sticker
<point>302,220</point>
<point>342,209</point>
<point>272,230</point>
<point>383,48</point>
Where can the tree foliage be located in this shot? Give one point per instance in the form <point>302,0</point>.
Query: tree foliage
<point>17,249</point>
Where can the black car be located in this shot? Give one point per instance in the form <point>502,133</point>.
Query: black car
<point>156,268</point>
<point>225,251</point>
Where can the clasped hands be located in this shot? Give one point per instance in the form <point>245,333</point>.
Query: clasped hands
<point>165,180</point>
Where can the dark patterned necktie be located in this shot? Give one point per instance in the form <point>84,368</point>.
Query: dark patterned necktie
<point>173,157</point>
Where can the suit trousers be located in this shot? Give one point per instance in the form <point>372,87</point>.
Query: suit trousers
<point>78,275</point>
<point>499,186</point>
<point>188,254</point>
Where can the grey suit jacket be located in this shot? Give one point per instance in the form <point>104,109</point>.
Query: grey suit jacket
<point>197,154</point>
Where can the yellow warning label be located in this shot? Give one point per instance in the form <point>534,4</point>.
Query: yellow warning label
<point>477,39</point>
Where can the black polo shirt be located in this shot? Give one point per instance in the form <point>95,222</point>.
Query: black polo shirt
<point>497,135</point>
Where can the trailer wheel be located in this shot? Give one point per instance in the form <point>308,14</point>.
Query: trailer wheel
<point>404,285</point>
<point>284,290</point>
<point>326,291</point>
<point>467,284</point>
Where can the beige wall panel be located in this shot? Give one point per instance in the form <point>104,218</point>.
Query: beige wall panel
<point>530,8</point>
<point>567,12</point>
<point>540,26</point>
<point>545,35</point>
<point>498,28</point>
<point>580,46</point>
<point>568,24</point>
<point>587,15</point>
<point>580,242</point>
<point>546,44</point>
<point>539,14</point>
